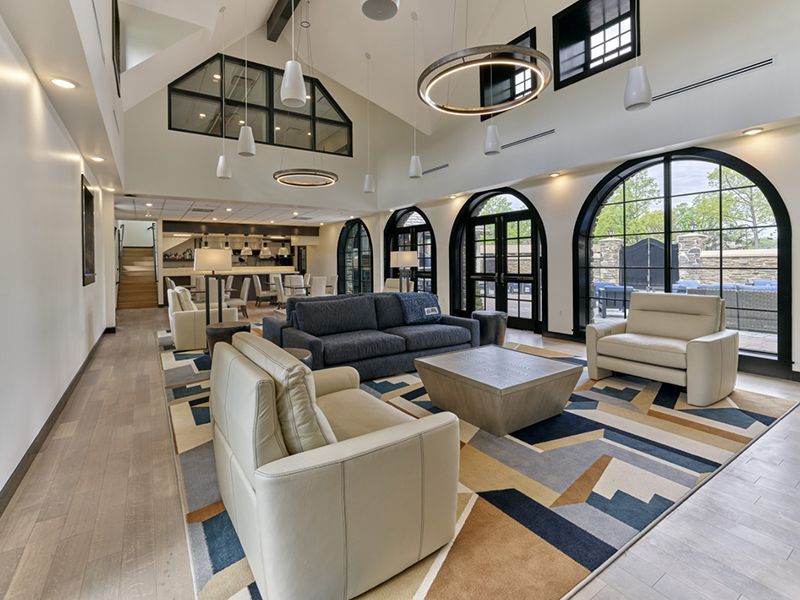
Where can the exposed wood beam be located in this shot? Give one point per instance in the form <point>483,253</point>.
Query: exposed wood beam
<point>279,17</point>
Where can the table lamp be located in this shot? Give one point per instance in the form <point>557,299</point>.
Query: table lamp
<point>405,260</point>
<point>209,261</point>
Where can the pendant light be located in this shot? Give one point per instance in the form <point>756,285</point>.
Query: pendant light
<point>227,243</point>
<point>491,141</point>
<point>246,251</point>
<point>638,94</point>
<point>223,167</point>
<point>265,251</point>
<point>283,250</point>
<point>293,87</point>
<point>369,183</point>
<point>380,10</point>
<point>247,144</point>
<point>415,164</point>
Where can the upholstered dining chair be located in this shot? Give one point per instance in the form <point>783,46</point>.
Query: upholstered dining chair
<point>307,279</point>
<point>318,286</point>
<point>241,301</point>
<point>295,285</point>
<point>261,293</point>
<point>332,284</point>
<point>392,284</point>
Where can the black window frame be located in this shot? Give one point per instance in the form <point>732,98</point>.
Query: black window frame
<point>341,264</point>
<point>391,234</point>
<point>270,108</point>
<point>582,5</point>
<point>486,75</point>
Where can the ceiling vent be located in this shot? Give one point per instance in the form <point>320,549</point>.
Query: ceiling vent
<point>434,169</point>
<point>710,80</point>
<point>530,138</point>
<point>301,218</point>
<point>202,210</point>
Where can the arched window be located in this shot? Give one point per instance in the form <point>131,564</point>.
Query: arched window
<point>354,258</point>
<point>409,229</point>
<point>695,221</point>
<point>497,259</point>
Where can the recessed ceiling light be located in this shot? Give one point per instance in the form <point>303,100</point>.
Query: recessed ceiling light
<point>96,158</point>
<point>241,121</point>
<point>202,115</point>
<point>148,204</point>
<point>321,224</point>
<point>352,217</point>
<point>229,210</point>
<point>272,221</point>
<point>555,174</point>
<point>295,213</point>
<point>308,97</point>
<point>309,133</point>
<point>213,218</point>
<point>147,215</point>
<point>753,131</point>
<point>111,189</point>
<point>277,128</point>
<point>453,196</point>
<point>64,83</point>
<point>217,76</point>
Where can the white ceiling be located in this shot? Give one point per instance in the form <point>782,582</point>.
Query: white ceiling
<point>175,209</point>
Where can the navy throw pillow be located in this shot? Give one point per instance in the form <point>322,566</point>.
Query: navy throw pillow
<point>420,307</point>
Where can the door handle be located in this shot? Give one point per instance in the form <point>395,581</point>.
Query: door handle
<point>502,278</point>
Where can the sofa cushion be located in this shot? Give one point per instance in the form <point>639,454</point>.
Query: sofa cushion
<point>432,335</point>
<point>420,307</point>
<point>336,316</point>
<point>357,345</point>
<point>654,350</point>
<point>302,424</point>
<point>682,316</point>
<point>388,310</point>
<point>354,412</point>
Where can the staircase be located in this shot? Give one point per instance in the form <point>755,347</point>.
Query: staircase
<point>137,284</point>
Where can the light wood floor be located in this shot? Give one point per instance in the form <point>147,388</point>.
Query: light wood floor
<point>98,515</point>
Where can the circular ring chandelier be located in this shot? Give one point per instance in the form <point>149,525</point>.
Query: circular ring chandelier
<point>483,56</point>
<point>305,178</point>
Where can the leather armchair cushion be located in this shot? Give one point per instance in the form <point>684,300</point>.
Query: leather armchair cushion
<point>336,316</point>
<point>185,299</point>
<point>302,424</point>
<point>424,337</point>
<point>682,316</point>
<point>662,351</point>
<point>354,412</point>
<point>389,311</point>
<point>358,345</point>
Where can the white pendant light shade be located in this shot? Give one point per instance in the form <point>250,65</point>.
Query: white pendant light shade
<point>247,145</point>
<point>491,143</point>
<point>415,167</point>
<point>380,10</point>
<point>638,94</point>
<point>223,168</point>
<point>293,88</point>
<point>369,184</point>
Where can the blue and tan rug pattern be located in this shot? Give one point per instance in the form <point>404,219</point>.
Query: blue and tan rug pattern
<point>538,510</point>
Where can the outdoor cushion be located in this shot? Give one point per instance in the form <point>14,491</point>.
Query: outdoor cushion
<point>389,311</point>
<point>420,307</point>
<point>336,316</point>
<point>358,345</point>
<point>662,351</point>
<point>433,335</point>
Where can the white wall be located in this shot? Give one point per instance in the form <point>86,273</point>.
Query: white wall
<point>52,320</point>
<point>137,234</point>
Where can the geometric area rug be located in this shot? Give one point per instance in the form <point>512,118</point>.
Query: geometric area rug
<point>539,510</point>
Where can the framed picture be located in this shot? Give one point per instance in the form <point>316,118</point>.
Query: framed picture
<point>87,232</point>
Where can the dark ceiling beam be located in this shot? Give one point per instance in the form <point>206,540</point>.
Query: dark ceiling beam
<point>279,17</point>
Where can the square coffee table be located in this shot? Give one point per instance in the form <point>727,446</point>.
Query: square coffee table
<point>498,389</point>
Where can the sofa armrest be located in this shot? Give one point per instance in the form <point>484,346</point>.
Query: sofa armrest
<point>594,333</point>
<point>295,338</point>
<point>184,330</point>
<point>374,505</point>
<point>712,363</point>
<point>272,329</point>
<point>336,379</point>
<point>472,324</point>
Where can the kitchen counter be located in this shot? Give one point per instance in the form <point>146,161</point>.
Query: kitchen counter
<point>244,270</point>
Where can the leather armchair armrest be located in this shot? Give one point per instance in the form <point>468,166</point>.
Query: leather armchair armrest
<point>712,365</point>
<point>184,330</point>
<point>373,505</point>
<point>295,338</point>
<point>594,333</point>
<point>336,379</point>
<point>272,329</point>
<point>472,324</point>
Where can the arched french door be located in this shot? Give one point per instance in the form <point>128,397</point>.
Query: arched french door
<point>497,259</point>
<point>354,258</point>
<point>409,229</point>
<point>695,221</point>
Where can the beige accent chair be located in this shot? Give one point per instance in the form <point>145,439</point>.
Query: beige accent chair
<point>187,321</point>
<point>330,490</point>
<point>391,285</point>
<point>674,338</point>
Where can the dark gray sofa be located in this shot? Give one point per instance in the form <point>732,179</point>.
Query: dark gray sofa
<point>367,332</point>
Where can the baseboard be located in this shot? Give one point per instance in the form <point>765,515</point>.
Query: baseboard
<point>22,468</point>
<point>110,330</point>
<point>563,336</point>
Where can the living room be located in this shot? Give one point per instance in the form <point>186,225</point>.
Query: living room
<point>393,299</point>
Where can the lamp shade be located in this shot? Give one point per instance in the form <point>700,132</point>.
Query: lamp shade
<point>223,168</point>
<point>638,94</point>
<point>403,259</point>
<point>293,88</point>
<point>380,10</point>
<point>415,167</point>
<point>491,143</point>
<point>247,145</point>
<point>212,259</point>
<point>283,251</point>
<point>369,184</point>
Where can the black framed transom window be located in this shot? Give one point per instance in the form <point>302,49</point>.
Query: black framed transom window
<point>506,83</point>
<point>354,258</point>
<point>409,229</point>
<point>691,222</point>
<point>210,100</point>
<point>593,35</point>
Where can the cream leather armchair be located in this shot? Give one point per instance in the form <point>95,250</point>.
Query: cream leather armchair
<point>674,338</point>
<point>187,321</point>
<point>330,490</point>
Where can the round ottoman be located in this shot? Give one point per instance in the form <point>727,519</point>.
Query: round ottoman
<point>223,332</point>
<point>493,326</point>
<point>301,354</point>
